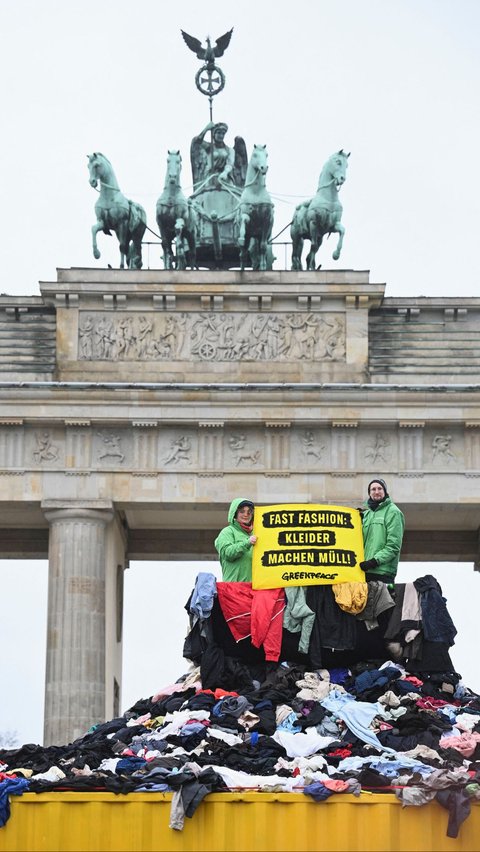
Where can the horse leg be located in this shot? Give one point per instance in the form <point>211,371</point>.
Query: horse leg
<point>340,230</point>
<point>297,249</point>
<point>180,259</point>
<point>262,252</point>
<point>316,238</point>
<point>166,236</point>
<point>135,253</point>
<point>136,246</point>
<point>95,229</point>
<point>123,241</point>
<point>167,253</point>
<point>242,240</point>
<point>192,249</point>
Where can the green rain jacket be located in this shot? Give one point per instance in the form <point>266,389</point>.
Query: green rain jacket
<point>234,548</point>
<point>382,537</point>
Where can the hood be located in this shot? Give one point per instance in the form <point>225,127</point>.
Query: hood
<point>234,506</point>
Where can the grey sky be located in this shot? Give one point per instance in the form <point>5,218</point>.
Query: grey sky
<point>395,82</point>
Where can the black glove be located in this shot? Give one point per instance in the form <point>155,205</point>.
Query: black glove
<point>361,512</point>
<point>369,565</point>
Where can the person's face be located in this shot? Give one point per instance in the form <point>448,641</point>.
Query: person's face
<point>219,134</point>
<point>377,492</point>
<point>245,514</point>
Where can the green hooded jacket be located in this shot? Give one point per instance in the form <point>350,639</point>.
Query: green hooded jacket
<point>382,536</point>
<point>234,548</point>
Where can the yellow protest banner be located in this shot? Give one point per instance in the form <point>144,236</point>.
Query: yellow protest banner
<point>301,544</point>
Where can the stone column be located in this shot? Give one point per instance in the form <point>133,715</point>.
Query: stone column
<point>75,677</point>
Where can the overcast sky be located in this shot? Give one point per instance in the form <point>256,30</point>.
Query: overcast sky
<point>395,82</point>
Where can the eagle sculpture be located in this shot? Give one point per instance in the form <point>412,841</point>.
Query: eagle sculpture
<point>208,53</point>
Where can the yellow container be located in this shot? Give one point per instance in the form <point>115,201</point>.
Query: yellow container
<point>237,822</point>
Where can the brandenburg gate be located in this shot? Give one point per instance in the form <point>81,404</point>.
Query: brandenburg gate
<point>136,404</point>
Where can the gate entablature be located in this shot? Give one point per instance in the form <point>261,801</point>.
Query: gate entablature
<point>186,326</point>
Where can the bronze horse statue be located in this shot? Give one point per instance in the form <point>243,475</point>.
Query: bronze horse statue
<point>322,214</point>
<point>255,214</point>
<point>176,219</point>
<point>116,213</point>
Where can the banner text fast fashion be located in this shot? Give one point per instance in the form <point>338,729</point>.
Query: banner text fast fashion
<point>305,544</point>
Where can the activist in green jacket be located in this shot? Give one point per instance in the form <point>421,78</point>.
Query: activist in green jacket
<point>383,525</point>
<point>234,543</point>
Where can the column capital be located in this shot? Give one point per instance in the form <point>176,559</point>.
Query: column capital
<point>64,510</point>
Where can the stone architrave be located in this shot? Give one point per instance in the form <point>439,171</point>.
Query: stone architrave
<point>76,621</point>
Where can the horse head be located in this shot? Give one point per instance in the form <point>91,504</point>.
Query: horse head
<point>259,158</point>
<point>336,167</point>
<point>99,168</point>
<point>174,167</point>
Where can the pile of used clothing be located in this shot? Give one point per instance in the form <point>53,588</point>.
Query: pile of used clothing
<point>295,709</point>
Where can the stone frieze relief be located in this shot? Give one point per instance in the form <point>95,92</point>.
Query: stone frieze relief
<point>316,448</point>
<point>179,336</point>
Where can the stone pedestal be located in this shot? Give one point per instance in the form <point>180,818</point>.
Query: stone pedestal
<point>75,677</point>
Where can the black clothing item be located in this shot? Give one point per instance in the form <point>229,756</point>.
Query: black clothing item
<point>315,717</point>
<point>436,621</point>
<point>267,724</point>
<point>401,742</point>
<point>457,803</point>
<point>385,578</point>
<point>188,742</point>
<point>333,628</point>
<point>434,657</point>
<point>369,564</point>
<point>201,701</point>
<point>222,635</point>
<point>211,667</point>
<point>369,777</point>
<point>199,638</point>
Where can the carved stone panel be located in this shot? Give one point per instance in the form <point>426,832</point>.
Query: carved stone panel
<point>244,450</point>
<point>312,448</point>
<point>45,448</point>
<point>112,448</point>
<point>133,336</point>
<point>177,450</point>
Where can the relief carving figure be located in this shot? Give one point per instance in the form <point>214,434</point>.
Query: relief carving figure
<point>85,332</point>
<point>181,321</point>
<point>378,450</point>
<point>441,448</point>
<point>240,453</point>
<point>212,337</point>
<point>46,451</point>
<point>272,331</point>
<point>310,446</point>
<point>144,334</point>
<point>105,338</point>
<point>111,447</point>
<point>125,338</point>
<point>180,450</point>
